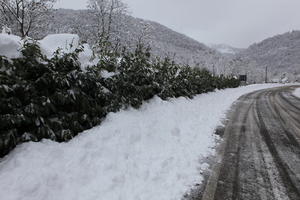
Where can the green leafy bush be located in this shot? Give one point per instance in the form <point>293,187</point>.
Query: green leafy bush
<point>55,99</point>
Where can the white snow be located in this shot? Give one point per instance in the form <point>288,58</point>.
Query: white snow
<point>85,57</point>
<point>10,45</point>
<point>66,42</point>
<point>297,92</point>
<point>106,74</point>
<point>284,80</point>
<point>6,30</point>
<point>152,153</point>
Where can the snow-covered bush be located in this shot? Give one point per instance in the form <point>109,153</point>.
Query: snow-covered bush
<point>64,43</point>
<point>137,77</point>
<point>52,97</point>
<point>46,98</point>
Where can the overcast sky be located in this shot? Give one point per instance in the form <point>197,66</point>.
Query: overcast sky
<point>235,22</point>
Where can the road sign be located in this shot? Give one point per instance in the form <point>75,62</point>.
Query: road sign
<point>243,78</point>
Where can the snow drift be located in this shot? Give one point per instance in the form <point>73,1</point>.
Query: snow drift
<point>151,153</point>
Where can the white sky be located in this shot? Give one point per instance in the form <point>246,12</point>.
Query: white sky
<point>235,22</point>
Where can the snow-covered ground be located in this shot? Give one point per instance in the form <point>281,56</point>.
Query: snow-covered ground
<point>297,92</point>
<point>152,153</point>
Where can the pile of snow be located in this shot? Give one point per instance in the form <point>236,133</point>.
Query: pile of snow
<point>86,57</point>
<point>107,74</point>
<point>10,45</point>
<point>297,92</point>
<point>67,43</point>
<point>151,153</point>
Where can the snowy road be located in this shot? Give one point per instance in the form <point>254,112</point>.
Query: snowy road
<point>261,152</point>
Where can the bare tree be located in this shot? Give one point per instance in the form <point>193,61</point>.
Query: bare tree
<point>25,14</point>
<point>144,36</point>
<point>108,15</point>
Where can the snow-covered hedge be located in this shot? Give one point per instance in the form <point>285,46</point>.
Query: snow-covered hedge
<point>43,96</point>
<point>11,45</point>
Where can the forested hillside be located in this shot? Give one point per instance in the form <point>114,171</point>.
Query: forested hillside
<point>273,60</point>
<point>162,40</point>
<point>276,57</point>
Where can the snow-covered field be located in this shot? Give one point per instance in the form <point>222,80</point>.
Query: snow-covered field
<point>297,92</point>
<point>151,153</point>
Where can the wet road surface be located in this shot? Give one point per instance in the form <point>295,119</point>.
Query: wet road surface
<point>260,156</point>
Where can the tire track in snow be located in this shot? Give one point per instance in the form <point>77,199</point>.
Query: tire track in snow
<point>261,153</point>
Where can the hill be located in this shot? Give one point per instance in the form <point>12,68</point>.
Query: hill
<point>279,55</point>
<point>162,40</point>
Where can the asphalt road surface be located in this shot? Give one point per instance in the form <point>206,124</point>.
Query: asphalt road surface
<point>260,156</point>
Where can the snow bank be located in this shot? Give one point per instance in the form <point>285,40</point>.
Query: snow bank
<point>10,45</point>
<point>297,92</point>
<point>145,154</point>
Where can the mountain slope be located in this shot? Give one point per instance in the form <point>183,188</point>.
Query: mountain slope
<point>163,41</point>
<point>278,54</point>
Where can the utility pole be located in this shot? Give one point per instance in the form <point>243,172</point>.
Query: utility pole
<point>266,75</point>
